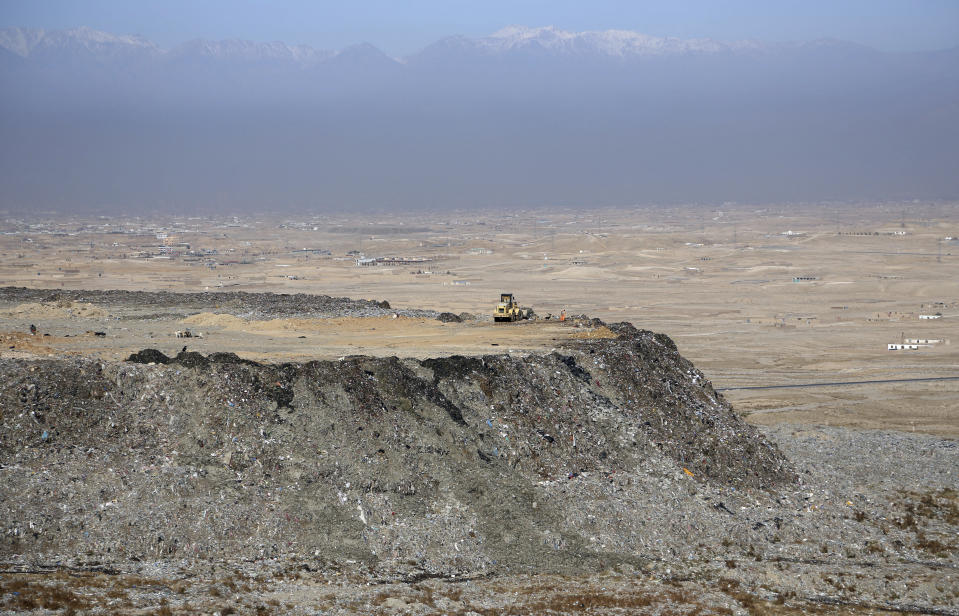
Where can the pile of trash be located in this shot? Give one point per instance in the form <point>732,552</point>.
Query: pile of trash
<point>594,453</point>
<point>250,305</point>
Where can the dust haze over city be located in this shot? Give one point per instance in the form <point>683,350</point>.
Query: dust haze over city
<point>474,308</point>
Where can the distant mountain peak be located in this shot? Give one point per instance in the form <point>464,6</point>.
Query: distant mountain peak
<point>90,35</point>
<point>362,49</point>
<point>251,51</point>
<point>602,42</point>
<point>27,41</point>
<point>20,41</point>
<point>526,32</point>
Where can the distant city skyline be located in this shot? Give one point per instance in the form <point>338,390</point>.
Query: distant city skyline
<point>405,28</point>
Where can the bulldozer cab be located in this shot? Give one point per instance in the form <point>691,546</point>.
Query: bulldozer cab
<point>506,298</point>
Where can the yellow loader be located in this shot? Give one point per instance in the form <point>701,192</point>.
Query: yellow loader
<point>508,309</point>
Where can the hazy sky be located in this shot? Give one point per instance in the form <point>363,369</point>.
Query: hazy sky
<point>404,27</point>
<point>459,127</point>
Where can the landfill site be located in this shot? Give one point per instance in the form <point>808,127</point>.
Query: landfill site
<point>361,437</point>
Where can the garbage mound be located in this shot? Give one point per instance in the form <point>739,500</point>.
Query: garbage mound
<point>596,453</point>
<point>251,305</point>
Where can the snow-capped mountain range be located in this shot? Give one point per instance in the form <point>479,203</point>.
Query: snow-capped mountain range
<point>32,43</point>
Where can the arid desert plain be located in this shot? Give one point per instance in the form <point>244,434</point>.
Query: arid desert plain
<point>833,329</point>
